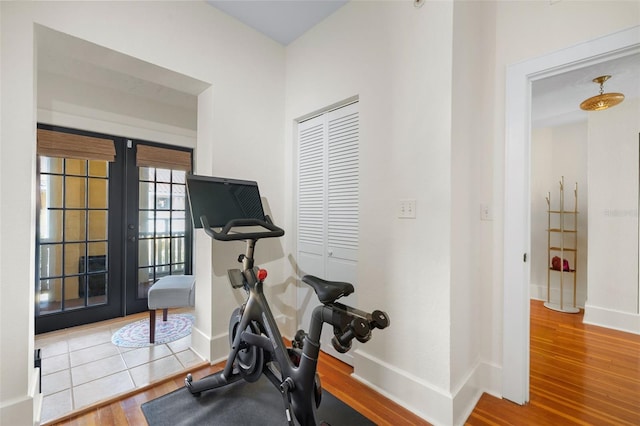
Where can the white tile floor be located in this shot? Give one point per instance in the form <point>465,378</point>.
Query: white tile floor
<point>80,365</point>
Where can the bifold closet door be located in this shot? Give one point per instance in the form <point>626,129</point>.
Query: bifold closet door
<point>328,179</point>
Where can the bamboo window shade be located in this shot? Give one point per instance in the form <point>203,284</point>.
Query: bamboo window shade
<point>163,158</point>
<point>69,145</point>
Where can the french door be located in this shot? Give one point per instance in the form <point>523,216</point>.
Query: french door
<point>158,230</point>
<point>108,226</point>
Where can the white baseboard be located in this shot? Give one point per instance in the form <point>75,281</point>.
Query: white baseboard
<point>416,395</point>
<point>203,345</point>
<point>484,377</point>
<point>539,292</point>
<point>609,318</point>
<point>436,406</point>
<point>24,410</point>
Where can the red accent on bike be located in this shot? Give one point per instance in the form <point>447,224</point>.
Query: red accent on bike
<point>262,274</point>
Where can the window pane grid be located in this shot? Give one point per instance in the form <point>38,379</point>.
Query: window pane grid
<point>162,225</point>
<point>72,237</point>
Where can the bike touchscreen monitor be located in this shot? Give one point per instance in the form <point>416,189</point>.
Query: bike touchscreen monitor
<point>222,200</point>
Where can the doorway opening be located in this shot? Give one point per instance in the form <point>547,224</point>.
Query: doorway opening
<point>107,228</point>
<point>517,187</point>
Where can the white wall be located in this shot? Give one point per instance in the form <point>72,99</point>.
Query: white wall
<point>613,294</point>
<point>472,372</point>
<point>397,59</point>
<point>557,152</point>
<point>242,127</point>
<point>19,382</point>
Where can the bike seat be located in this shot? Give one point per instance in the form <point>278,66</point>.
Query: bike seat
<point>328,291</point>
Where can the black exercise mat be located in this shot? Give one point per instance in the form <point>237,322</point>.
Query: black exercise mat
<point>240,403</point>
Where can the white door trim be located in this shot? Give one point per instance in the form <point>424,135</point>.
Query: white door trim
<point>515,356</point>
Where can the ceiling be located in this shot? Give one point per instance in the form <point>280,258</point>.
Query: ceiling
<point>281,20</point>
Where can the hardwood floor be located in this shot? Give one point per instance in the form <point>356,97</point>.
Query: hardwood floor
<point>580,375</point>
<point>334,374</point>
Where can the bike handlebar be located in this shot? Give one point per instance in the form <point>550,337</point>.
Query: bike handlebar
<point>225,235</point>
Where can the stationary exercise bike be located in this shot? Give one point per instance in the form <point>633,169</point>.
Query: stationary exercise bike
<point>257,346</point>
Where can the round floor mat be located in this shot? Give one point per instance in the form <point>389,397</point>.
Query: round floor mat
<point>136,334</point>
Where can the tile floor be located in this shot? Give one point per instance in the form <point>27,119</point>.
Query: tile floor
<point>80,365</point>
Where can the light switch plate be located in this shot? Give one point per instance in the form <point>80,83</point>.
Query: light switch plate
<point>407,209</point>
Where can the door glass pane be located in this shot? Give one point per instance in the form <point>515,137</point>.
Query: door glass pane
<point>49,296</point>
<point>93,284</point>
<point>163,196</point>
<point>146,220</point>
<point>75,192</point>
<point>145,280</point>
<point>50,225</point>
<point>162,224</point>
<point>97,263</point>
<point>74,258</point>
<point>145,252</point>
<point>162,271</point>
<point>163,175</point>
<point>97,257</point>
<point>51,191</point>
<point>147,173</point>
<point>75,225</point>
<point>146,195</point>
<point>98,168</point>
<point>178,224</point>
<point>75,167</point>
<point>73,293</point>
<point>179,176</point>
<point>97,225</point>
<point>51,165</point>
<point>98,193</point>
<point>178,198</point>
<point>50,260</point>
<point>97,289</point>
<point>163,251</point>
<point>177,250</point>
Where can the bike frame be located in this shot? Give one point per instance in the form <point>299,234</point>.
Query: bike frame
<point>301,377</point>
<point>297,383</point>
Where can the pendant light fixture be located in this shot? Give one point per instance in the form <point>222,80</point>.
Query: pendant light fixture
<point>603,100</point>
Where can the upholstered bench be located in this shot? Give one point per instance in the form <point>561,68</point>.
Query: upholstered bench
<point>172,291</point>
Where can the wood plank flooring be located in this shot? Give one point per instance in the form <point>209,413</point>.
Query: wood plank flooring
<point>580,375</point>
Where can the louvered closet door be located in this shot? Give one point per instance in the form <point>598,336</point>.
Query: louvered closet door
<point>328,207</point>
